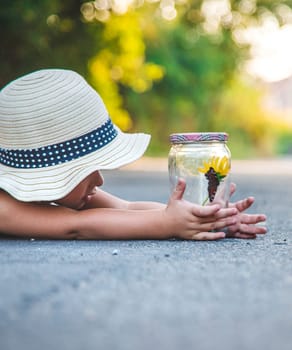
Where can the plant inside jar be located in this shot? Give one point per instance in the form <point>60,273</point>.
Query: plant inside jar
<point>215,170</point>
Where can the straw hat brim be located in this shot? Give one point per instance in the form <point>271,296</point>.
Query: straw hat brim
<point>54,182</point>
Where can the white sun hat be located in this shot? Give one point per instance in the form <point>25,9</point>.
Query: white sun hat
<point>54,131</point>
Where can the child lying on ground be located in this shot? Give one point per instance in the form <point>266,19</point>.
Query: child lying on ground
<point>55,138</point>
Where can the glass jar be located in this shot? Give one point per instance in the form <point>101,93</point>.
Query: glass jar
<point>203,160</point>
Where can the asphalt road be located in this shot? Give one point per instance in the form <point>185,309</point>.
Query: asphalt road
<point>123,295</point>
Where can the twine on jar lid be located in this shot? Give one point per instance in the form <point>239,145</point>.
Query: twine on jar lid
<point>198,137</point>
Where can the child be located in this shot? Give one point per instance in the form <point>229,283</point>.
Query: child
<point>55,137</point>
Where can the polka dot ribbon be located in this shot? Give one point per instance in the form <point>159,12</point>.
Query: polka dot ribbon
<point>61,152</point>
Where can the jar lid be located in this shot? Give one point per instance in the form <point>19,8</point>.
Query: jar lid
<point>198,137</point>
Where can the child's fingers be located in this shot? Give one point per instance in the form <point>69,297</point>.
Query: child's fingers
<point>202,225</point>
<point>208,216</point>
<point>253,218</point>
<point>179,190</point>
<point>244,204</point>
<point>208,236</point>
<point>203,212</point>
<point>225,212</point>
<point>246,231</point>
<point>232,188</point>
<point>244,235</point>
<point>252,229</point>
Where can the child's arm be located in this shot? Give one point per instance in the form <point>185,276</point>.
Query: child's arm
<point>245,227</point>
<point>179,219</point>
<point>102,199</point>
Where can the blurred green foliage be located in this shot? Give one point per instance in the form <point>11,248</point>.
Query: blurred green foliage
<point>254,130</point>
<point>160,66</point>
<point>42,34</point>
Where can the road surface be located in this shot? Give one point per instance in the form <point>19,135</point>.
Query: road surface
<point>125,295</point>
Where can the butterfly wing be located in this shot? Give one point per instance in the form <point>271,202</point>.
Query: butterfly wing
<point>213,183</point>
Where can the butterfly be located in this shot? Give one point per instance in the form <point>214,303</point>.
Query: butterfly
<point>213,183</point>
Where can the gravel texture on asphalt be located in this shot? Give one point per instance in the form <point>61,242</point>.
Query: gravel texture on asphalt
<point>125,295</point>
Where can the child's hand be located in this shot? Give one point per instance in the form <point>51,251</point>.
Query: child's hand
<point>192,221</point>
<point>246,223</point>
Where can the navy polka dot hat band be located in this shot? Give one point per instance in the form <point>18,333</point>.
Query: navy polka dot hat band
<point>61,152</point>
<point>54,131</point>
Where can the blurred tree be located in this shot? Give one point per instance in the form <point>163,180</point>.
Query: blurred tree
<point>161,65</point>
<point>44,34</point>
<point>70,34</point>
<point>121,65</point>
<point>254,129</point>
<point>201,46</point>
<point>196,73</point>
<point>198,66</point>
